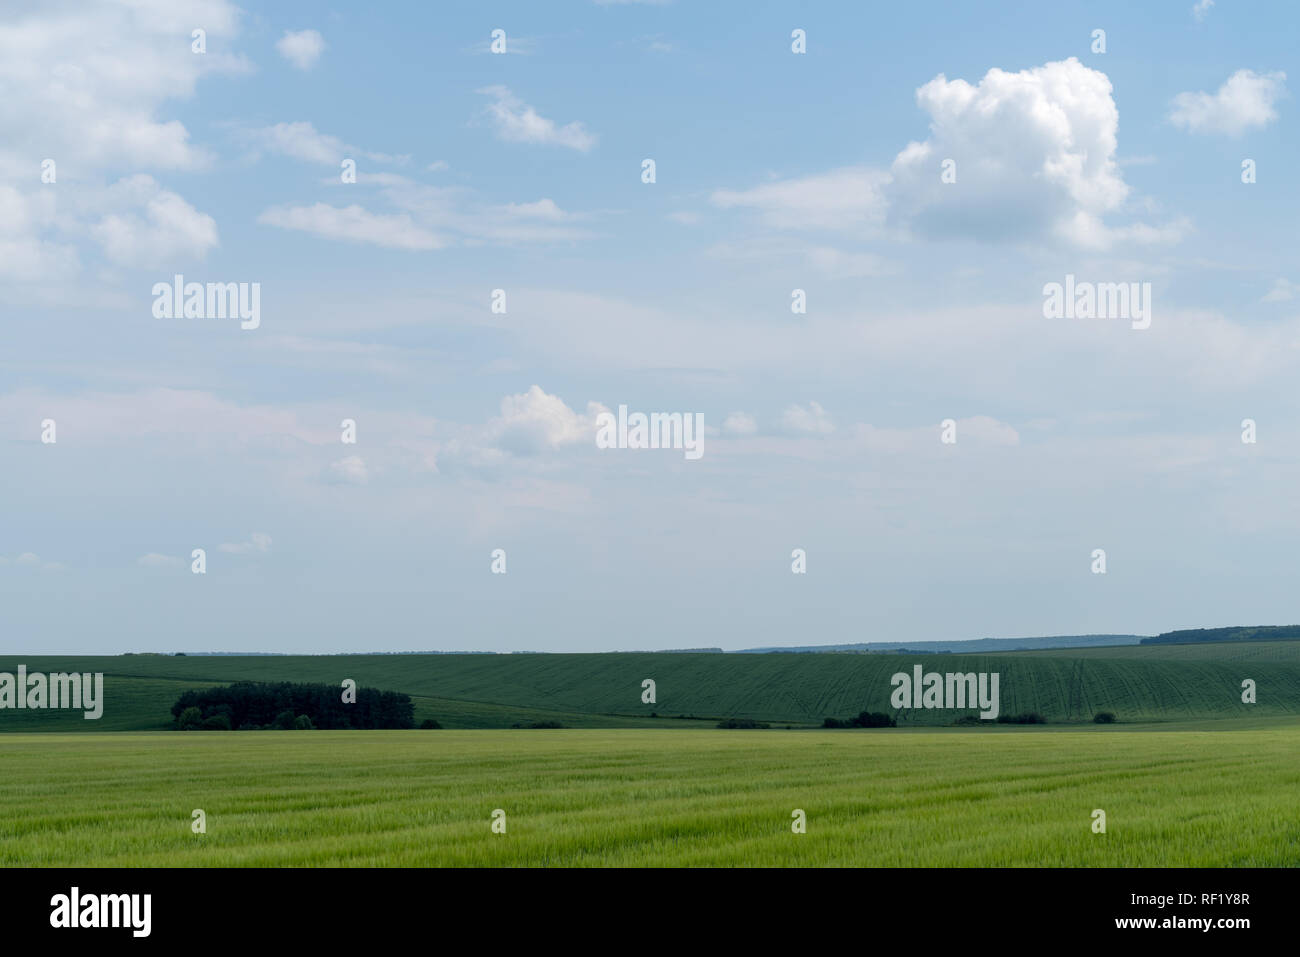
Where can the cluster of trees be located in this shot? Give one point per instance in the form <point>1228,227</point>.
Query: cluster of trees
<point>865,719</point>
<point>743,723</point>
<point>1025,717</point>
<point>248,705</point>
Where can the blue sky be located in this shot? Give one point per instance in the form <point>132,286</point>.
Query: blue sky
<point>775,171</point>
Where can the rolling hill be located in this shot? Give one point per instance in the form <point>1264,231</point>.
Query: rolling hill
<point>1137,683</point>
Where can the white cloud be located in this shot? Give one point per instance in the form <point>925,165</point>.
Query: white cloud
<point>301,140</point>
<point>517,122</point>
<point>845,264</point>
<point>544,209</point>
<point>809,420</point>
<point>199,417</point>
<point>843,199</point>
<point>988,430</point>
<point>977,430</point>
<point>1244,101</point>
<point>1283,290</point>
<point>258,542</point>
<point>535,421</point>
<point>1201,9</point>
<point>431,217</point>
<point>531,426</point>
<point>350,471</point>
<point>302,48</point>
<point>85,85</point>
<point>828,261</point>
<point>32,560</point>
<point>151,226</point>
<point>353,224</point>
<point>24,254</point>
<point>156,560</point>
<point>1034,154</point>
<point>739,423</point>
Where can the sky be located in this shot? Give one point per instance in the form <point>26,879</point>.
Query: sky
<point>921,172</point>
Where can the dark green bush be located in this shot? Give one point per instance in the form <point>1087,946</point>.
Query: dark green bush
<point>743,723</point>
<point>874,719</point>
<point>865,719</point>
<point>1103,717</point>
<point>428,724</point>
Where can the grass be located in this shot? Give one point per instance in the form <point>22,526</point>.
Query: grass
<point>654,798</point>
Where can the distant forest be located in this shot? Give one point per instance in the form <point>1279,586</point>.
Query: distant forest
<point>1236,633</point>
<point>248,705</point>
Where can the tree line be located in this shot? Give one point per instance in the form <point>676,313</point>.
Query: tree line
<point>250,705</point>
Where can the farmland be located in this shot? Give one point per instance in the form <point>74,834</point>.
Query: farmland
<point>1137,683</point>
<point>1189,775</point>
<point>949,797</point>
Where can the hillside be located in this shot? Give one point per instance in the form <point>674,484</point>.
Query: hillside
<point>595,690</point>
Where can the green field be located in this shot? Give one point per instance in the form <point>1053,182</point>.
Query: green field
<point>1189,776</point>
<point>654,798</point>
<point>1137,683</point>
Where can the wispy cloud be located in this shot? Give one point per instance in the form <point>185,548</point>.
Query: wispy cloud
<point>517,122</point>
<point>257,542</point>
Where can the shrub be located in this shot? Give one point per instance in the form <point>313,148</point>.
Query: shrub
<point>743,723</point>
<point>191,719</point>
<point>303,723</point>
<point>873,719</point>
<point>969,720</point>
<point>865,719</point>
<point>1103,717</point>
<point>1026,717</point>
<point>539,724</point>
<point>218,722</point>
<point>284,721</point>
<point>428,724</point>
